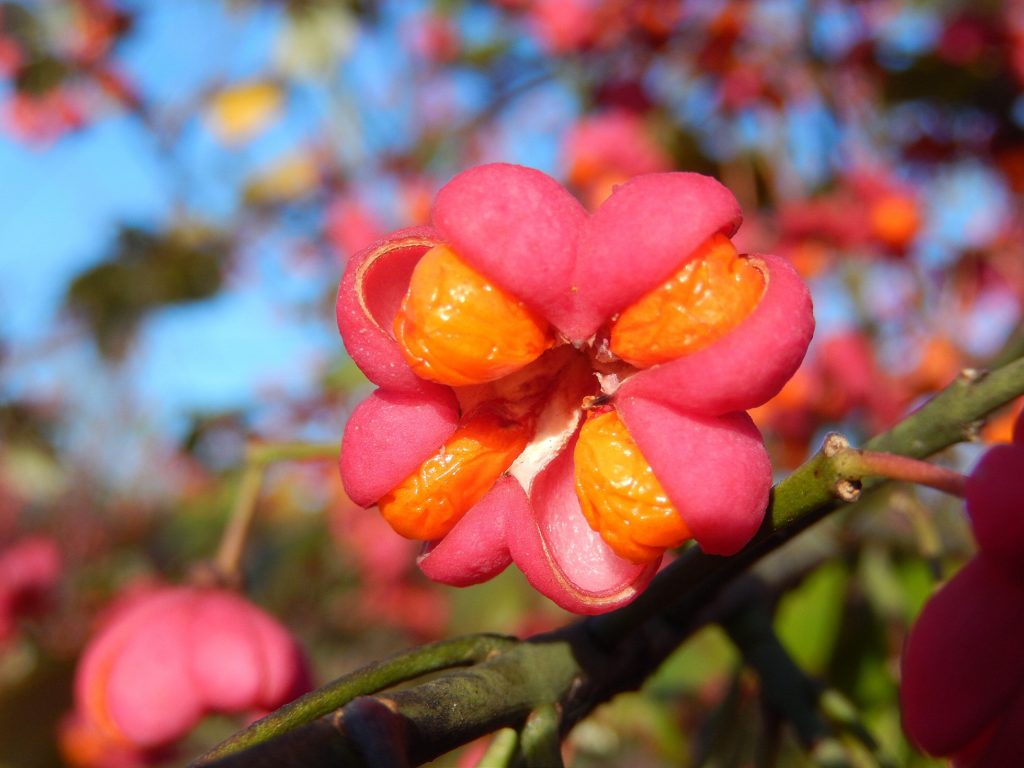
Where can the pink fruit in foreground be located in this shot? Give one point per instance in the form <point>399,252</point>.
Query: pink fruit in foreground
<point>497,332</point>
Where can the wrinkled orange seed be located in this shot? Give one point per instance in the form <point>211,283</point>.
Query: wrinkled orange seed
<point>457,328</point>
<point>428,503</point>
<point>700,303</point>
<point>620,496</point>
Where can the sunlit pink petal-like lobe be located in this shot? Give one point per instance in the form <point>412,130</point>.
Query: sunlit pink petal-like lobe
<point>644,232</point>
<point>241,658</point>
<point>372,288</point>
<point>715,470</point>
<point>962,663</point>
<point>994,503</point>
<point>475,550</point>
<point>389,435</point>
<point>561,556</point>
<point>747,366</point>
<point>517,227</point>
<point>120,687</point>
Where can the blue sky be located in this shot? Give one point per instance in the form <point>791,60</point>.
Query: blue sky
<point>61,205</point>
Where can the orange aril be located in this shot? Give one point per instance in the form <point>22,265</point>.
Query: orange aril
<point>619,494</point>
<point>428,503</point>
<point>457,328</point>
<point>712,293</point>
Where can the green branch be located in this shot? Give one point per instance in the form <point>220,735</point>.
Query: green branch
<point>586,663</point>
<point>374,678</point>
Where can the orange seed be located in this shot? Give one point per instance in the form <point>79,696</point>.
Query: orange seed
<point>457,328</point>
<point>620,496</point>
<point>428,503</point>
<point>709,296</point>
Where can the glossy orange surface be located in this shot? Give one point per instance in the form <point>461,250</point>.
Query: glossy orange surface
<point>429,503</point>
<point>620,496</point>
<point>457,328</point>
<point>700,303</point>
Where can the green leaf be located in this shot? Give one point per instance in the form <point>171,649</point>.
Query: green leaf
<point>146,272</point>
<point>807,619</point>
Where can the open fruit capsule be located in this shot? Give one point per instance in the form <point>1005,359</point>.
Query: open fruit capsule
<point>455,327</point>
<point>563,390</point>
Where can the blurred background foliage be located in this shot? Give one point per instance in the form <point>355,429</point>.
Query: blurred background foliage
<point>183,180</point>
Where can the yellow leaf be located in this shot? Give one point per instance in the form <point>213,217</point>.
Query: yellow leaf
<point>240,113</point>
<point>289,179</point>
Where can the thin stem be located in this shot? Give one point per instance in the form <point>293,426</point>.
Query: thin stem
<point>269,453</point>
<point>501,751</point>
<point>228,560</point>
<point>855,464</point>
<point>232,543</point>
<point>540,742</point>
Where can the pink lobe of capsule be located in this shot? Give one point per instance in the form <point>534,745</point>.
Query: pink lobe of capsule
<point>645,232</point>
<point>748,365</point>
<point>519,228</point>
<point>994,505</point>
<point>389,435</point>
<point>561,556</point>
<point>371,291</point>
<point>715,470</point>
<point>475,550</point>
<point>170,655</point>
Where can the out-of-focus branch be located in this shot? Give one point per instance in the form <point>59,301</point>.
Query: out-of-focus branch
<point>584,664</point>
<point>818,716</point>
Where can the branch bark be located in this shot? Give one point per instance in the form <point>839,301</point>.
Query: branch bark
<point>586,663</point>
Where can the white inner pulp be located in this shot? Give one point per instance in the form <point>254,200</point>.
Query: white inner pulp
<point>556,389</point>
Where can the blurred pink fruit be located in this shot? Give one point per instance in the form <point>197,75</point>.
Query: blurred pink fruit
<point>167,656</point>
